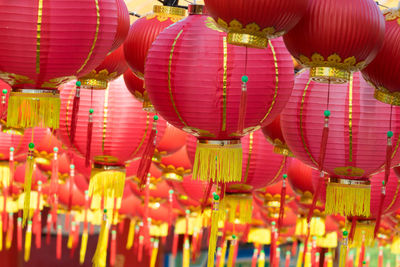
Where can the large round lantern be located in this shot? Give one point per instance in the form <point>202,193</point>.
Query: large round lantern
<point>359,130</point>
<point>216,91</point>
<point>330,42</point>
<point>382,71</point>
<point>111,129</point>
<point>47,48</point>
<point>251,23</point>
<point>144,31</point>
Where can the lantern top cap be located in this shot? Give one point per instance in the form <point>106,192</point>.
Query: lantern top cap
<point>196,9</point>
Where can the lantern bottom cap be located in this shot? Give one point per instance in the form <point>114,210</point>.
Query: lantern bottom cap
<point>283,150</point>
<point>172,176</point>
<point>95,84</point>
<point>28,108</point>
<point>348,197</point>
<point>387,97</point>
<point>148,106</point>
<point>11,130</point>
<point>248,40</point>
<point>239,206</point>
<point>329,75</point>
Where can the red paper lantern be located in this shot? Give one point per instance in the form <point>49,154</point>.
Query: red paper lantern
<point>357,142</point>
<point>70,195</point>
<point>174,167</point>
<point>391,202</point>
<point>135,85</point>
<point>123,24</point>
<point>144,31</point>
<point>171,141</point>
<point>44,44</point>
<point>330,42</point>
<point>250,23</point>
<point>273,133</point>
<point>112,118</point>
<point>383,71</point>
<point>211,112</point>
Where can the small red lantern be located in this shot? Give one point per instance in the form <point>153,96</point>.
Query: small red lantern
<point>236,97</point>
<point>251,22</point>
<point>135,85</point>
<point>273,133</point>
<point>174,167</point>
<point>383,71</point>
<point>360,130</point>
<point>330,42</point>
<point>46,48</point>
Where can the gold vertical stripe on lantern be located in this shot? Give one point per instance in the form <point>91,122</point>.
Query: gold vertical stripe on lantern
<point>351,119</point>
<point>148,126</point>
<point>276,82</point>
<point>171,55</point>
<point>96,35</point>
<point>224,83</point>
<point>249,157</point>
<point>394,197</point>
<point>38,35</point>
<point>278,174</point>
<point>105,115</point>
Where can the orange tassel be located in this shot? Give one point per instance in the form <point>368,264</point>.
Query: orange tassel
<point>48,228</point>
<point>10,231</point>
<point>59,242</point>
<point>113,248</point>
<point>19,233</point>
<point>54,174</point>
<point>175,245</point>
<point>38,233</point>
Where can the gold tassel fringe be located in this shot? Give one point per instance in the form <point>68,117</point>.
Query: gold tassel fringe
<point>217,215</point>
<point>28,242</point>
<point>223,254</point>
<point>300,256</point>
<point>231,253</point>
<point>348,200</point>
<point>395,247</point>
<point>317,226</point>
<point>363,227</point>
<point>240,207</point>
<point>261,259</point>
<point>131,234</point>
<point>28,110</point>
<point>259,236</point>
<point>108,184</point>
<point>100,256</point>
<point>330,240</point>
<point>154,254</point>
<point>82,252</point>
<point>218,163</point>
<point>27,188</point>
<point>186,253</point>
<point>5,173</point>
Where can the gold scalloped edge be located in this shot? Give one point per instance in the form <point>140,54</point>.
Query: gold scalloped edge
<point>332,61</point>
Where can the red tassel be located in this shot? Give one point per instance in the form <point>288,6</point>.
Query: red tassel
<point>38,233</point>
<point>54,175</point>
<point>282,202</point>
<point>273,245</point>
<point>59,242</point>
<point>235,253</point>
<point>175,245</point>
<point>194,246</point>
<point>170,208</point>
<point>255,255</point>
<point>206,196</point>
<point>19,233</point>
<point>91,229</point>
<point>3,103</point>
<point>243,105</point>
<point>353,228</point>
<point>380,257</point>
<point>10,230</point>
<point>200,241</point>
<point>145,162</point>
<point>140,250</point>
<point>54,215</point>
<point>287,259</point>
<point>121,226</point>
<point>89,138</point>
<point>113,248</point>
<point>294,247</point>
<point>66,221</point>
<point>313,251</point>
<point>75,110</point>
<point>4,213</point>
<point>48,227</point>
<point>362,253</point>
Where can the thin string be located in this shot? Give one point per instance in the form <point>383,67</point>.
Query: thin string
<point>329,94</point>
<point>245,63</point>
<point>390,118</point>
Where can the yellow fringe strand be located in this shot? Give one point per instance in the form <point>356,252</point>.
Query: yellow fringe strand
<point>348,200</point>
<point>5,173</point>
<point>82,252</point>
<point>330,240</point>
<point>365,228</point>
<point>218,163</point>
<point>317,226</point>
<point>329,259</point>
<point>300,256</point>
<point>307,258</point>
<point>28,242</point>
<point>259,236</point>
<point>27,110</point>
<point>395,247</point>
<point>108,184</point>
<point>154,254</point>
<point>1,233</point>
<point>343,250</point>
<point>27,187</point>
<point>231,253</point>
<point>186,253</point>
<point>100,256</point>
<point>216,216</point>
<point>131,234</point>
<point>261,259</point>
<point>223,254</point>
<point>240,207</point>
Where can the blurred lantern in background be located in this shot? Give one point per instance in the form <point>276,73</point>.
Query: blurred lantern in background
<point>330,41</point>
<point>251,23</point>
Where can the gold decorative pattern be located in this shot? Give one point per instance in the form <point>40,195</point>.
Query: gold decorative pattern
<point>241,187</point>
<point>349,171</point>
<point>385,96</point>
<point>210,23</point>
<point>38,34</point>
<point>392,14</point>
<point>329,75</point>
<point>276,82</point>
<point>105,159</point>
<point>169,10</point>
<point>303,140</point>
<point>105,116</point>
<point>351,119</point>
<point>15,79</point>
<point>56,82</point>
<point>333,61</point>
<point>251,139</point>
<point>248,40</point>
<point>224,83</point>
<point>95,37</point>
<point>97,80</point>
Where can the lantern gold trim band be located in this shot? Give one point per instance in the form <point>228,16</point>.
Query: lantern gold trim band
<point>169,10</point>
<point>194,9</point>
<point>90,83</point>
<point>172,176</point>
<point>383,95</point>
<point>249,40</point>
<point>327,74</point>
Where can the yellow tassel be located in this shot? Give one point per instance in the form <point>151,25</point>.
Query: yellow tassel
<point>231,252</point>
<point>300,256</point>
<point>28,110</point>
<point>131,234</point>
<point>82,253</point>
<point>317,226</point>
<point>28,183</point>
<point>259,236</point>
<point>154,254</point>
<point>217,214</point>
<point>5,173</point>
<point>307,258</point>
<point>240,207</point>
<point>100,256</point>
<point>108,183</point>
<point>348,200</point>
<point>186,253</point>
<point>223,254</point>
<point>343,250</point>
<point>220,163</point>
<point>28,242</point>
<point>395,247</point>
<point>330,260</point>
<point>365,228</point>
<point>261,259</point>
<point>1,233</point>
<point>71,236</point>
<point>328,241</point>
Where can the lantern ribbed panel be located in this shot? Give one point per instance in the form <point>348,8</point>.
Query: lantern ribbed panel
<point>135,85</point>
<point>358,127</point>
<point>190,68</point>
<point>123,24</point>
<point>391,202</point>
<point>120,127</point>
<point>40,48</point>
<point>332,28</point>
<point>69,194</point>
